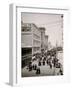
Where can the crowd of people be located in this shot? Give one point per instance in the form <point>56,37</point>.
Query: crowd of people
<point>47,58</point>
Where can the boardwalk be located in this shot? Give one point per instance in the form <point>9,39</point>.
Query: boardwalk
<point>45,70</point>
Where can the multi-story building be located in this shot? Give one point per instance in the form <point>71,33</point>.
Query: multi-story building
<point>31,37</point>
<point>30,40</point>
<point>46,42</point>
<point>42,29</point>
<point>33,41</point>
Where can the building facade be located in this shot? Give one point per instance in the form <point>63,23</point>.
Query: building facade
<point>46,42</point>
<point>30,38</point>
<point>33,41</point>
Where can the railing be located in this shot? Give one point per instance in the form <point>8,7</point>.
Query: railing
<point>26,56</point>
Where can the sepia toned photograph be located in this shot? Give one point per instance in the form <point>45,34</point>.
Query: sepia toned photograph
<point>41,44</point>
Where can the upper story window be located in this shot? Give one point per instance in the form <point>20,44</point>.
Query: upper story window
<point>26,27</point>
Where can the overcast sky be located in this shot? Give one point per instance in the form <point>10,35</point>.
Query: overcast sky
<point>52,23</point>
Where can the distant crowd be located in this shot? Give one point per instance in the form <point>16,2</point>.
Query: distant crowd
<point>45,58</point>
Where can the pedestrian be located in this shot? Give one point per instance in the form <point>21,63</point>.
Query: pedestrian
<point>47,62</point>
<point>50,65</point>
<point>30,68</point>
<point>39,64</point>
<point>35,67</point>
<point>61,72</point>
<point>43,62</point>
<point>38,71</point>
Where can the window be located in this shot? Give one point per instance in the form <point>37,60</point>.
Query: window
<point>25,29</point>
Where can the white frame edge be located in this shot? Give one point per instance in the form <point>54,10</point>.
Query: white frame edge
<point>13,41</point>
<point>12,44</point>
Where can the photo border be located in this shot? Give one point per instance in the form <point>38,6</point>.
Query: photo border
<point>15,75</point>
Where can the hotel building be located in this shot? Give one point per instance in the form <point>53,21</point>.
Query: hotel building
<point>30,41</point>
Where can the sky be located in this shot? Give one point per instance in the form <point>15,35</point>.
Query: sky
<point>51,22</point>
